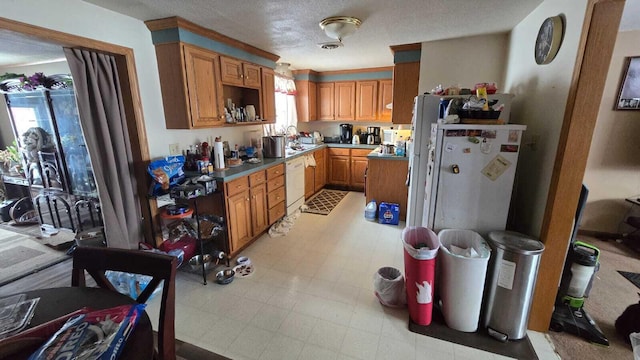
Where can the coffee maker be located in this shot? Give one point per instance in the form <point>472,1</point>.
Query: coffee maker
<point>346,133</point>
<point>375,131</point>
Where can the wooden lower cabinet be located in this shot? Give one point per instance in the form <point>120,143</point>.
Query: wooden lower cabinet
<point>386,181</point>
<point>347,167</point>
<point>239,220</point>
<point>315,177</point>
<point>253,203</point>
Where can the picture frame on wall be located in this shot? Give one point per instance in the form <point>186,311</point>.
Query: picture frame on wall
<point>629,93</point>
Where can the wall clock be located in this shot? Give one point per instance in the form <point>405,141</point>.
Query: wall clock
<point>549,39</point>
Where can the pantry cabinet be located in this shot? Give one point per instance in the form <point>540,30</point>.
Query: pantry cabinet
<point>191,87</point>
<point>239,73</point>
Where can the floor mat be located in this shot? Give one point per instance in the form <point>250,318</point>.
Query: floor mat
<point>21,255</point>
<point>633,277</point>
<point>518,349</point>
<point>323,202</point>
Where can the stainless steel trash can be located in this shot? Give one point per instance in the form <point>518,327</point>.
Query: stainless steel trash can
<point>513,271</point>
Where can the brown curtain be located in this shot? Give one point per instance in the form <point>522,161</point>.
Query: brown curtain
<point>97,88</point>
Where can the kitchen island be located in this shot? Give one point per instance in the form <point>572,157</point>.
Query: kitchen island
<point>386,180</point>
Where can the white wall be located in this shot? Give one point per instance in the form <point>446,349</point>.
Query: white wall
<point>463,62</point>
<point>613,167</point>
<point>541,94</point>
<point>80,18</point>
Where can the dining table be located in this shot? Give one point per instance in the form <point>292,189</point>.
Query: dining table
<point>55,303</point>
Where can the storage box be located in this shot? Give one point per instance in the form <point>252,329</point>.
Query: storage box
<point>389,213</point>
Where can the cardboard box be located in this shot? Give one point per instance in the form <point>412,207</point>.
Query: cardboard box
<point>389,213</point>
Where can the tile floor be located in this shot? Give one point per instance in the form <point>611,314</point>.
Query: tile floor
<point>311,297</point>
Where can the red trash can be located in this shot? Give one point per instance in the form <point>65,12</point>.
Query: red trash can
<point>420,251</point>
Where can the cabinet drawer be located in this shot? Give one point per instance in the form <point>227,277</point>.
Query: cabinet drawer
<point>257,178</point>
<point>338,152</point>
<point>276,213</point>
<point>275,183</point>
<point>237,186</point>
<point>360,152</point>
<point>275,171</point>
<point>276,197</point>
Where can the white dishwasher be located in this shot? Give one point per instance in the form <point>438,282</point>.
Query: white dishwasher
<point>295,184</point>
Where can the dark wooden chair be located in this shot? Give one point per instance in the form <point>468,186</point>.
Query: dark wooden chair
<point>96,261</point>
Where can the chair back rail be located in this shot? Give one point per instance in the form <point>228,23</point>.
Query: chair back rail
<point>162,268</point>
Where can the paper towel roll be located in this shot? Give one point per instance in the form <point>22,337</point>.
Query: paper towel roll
<point>218,153</point>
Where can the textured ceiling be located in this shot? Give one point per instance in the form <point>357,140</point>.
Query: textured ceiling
<point>289,28</point>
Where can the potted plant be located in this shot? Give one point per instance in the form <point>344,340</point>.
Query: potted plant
<point>10,159</point>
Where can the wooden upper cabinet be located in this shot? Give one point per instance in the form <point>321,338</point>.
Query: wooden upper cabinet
<point>326,93</point>
<point>385,97</point>
<point>345,98</point>
<point>306,100</point>
<point>205,91</point>
<point>405,89</point>
<point>366,100</point>
<point>268,95</point>
<point>236,72</point>
<point>190,84</point>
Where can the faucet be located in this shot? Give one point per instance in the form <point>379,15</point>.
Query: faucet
<point>292,137</point>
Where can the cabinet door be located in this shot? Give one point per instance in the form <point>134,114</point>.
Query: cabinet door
<point>239,218</point>
<point>345,99</point>
<point>268,95</point>
<point>251,75</point>
<point>325,101</point>
<point>366,100</point>
<point>385,97</point>
<point>306,100</point>
<point>405,89</point>
<point>321,170</point>
<point>231,71</point>
<point>309,181</point>
<point>205,91</point>
<point>259,209</point>
<point>339,170</point>
<point>358,169</point>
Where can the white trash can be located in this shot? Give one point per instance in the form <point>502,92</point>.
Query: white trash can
<point>464,256</point>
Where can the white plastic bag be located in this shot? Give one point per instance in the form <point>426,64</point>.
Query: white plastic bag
<point>635,343</point>
<point>389,287</point>
<point>420,242</point>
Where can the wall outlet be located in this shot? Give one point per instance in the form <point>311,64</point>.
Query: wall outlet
<point>174,149</point>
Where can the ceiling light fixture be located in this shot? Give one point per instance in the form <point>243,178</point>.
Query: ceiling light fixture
<point>337,27</point>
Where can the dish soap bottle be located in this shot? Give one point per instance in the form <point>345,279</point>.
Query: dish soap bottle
<point>400,147</point>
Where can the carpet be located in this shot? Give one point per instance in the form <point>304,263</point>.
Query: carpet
<point>21,255</point>
<point>324,201</point>
<point>633,277</point>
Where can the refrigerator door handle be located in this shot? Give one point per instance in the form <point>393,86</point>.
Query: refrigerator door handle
<point>408,181</point>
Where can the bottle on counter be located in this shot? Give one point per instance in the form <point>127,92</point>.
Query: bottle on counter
<point>400,147</point>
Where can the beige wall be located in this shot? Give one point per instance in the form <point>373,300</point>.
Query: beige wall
<point>541,93</point>
<point>463,61</point>
<point>613,167</point>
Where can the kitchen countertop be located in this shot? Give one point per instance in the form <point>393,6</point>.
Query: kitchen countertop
<point>375,154</point>
<point>245,169</point>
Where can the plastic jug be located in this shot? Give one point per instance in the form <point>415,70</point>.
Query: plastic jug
<point>370,211</point>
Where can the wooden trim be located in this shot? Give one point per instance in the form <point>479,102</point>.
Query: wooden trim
<point>178,22</point>
<point>305,72</point>
<point>131,96</point>
<point>589,76</point>
<point>355,71</point>
<point>405,47</point>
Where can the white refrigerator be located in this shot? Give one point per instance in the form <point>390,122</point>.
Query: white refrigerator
<point>425,187</point>
<point>470,175</point>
